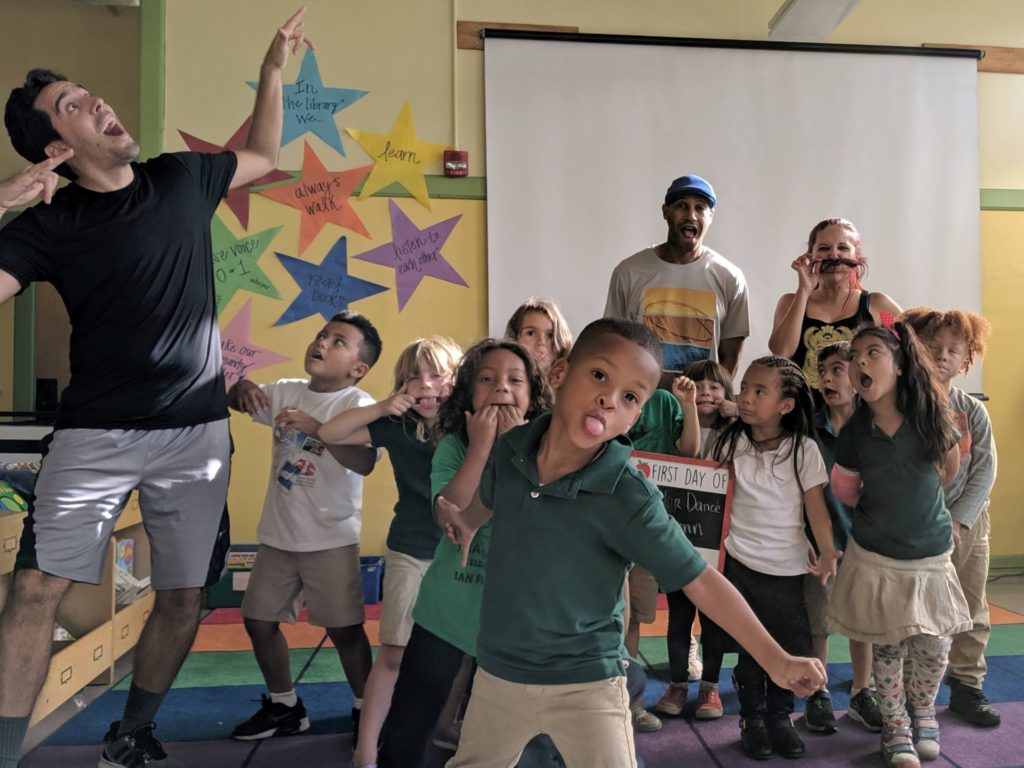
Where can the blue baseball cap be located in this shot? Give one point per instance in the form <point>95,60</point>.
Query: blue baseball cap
<point>690,185</point>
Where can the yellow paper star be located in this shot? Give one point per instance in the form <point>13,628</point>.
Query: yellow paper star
<point>399,157</point>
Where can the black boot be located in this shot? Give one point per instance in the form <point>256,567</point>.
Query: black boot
<point>749,680</point>
<point>784,738</point>
<point>755,739</point>
<point>972,705</point>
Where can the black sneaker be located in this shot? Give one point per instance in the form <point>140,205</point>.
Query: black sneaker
<point>972,705</point>
<point>137,749</point>
<point>818,715</point>
<point>864,709</point>
<point>273,719</point>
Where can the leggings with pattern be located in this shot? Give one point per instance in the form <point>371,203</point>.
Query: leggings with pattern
<point>926,657</point>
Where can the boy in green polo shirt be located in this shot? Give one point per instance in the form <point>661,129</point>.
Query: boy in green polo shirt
<point>569,519</point>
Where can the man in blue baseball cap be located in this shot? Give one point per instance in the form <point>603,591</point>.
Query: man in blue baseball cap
<point>694,299</point>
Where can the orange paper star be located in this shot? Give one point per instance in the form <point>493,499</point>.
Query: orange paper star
<point>399,157</point>
<point>322,198</point>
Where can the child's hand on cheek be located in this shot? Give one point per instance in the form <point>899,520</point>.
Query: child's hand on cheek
<point>727,409</point>
<point>398,404</point>
<point>508,416</point>
<point>482,427</point>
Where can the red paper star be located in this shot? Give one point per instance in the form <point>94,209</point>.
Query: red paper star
<point>322,197</point>
<point>238,198</point>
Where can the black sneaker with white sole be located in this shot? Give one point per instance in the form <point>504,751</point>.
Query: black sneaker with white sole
<point>272,719</point>
<point>136,749</point>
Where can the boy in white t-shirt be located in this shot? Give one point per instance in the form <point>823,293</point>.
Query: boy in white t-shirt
<point>309,529</point>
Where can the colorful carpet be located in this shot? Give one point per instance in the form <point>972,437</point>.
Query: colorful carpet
<point>220,685</point>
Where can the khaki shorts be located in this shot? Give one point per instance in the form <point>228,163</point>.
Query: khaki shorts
<point>643,596</point>
<point>403,575</point>
<point>328,581</point>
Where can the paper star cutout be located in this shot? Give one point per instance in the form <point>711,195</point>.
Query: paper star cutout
<point>234,263</point>
<point>399,156</point>
<point>414,253</point>
<point>310,106</point>
<point>322,197</point>
<point>237,198</point>
<point>240,354</point>
<point>327,288</point>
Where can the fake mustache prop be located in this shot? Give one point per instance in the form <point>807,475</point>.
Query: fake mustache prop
<point>834,265</point>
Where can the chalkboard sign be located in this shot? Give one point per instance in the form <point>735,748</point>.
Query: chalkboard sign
<point>698,494</point>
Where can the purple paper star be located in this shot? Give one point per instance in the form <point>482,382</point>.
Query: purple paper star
<point>414,253</point>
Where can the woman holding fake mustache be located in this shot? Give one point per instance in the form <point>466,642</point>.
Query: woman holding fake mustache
<point>829,302</point>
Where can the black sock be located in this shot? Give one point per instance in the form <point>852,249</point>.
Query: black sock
<point>12,733</point>
<point>140,709</point>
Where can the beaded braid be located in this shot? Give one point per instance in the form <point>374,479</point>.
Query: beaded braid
<point>798,423</point>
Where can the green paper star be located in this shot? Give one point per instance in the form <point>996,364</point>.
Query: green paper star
<point>234,263</point>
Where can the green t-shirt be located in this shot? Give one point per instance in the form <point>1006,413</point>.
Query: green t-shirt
<point>659,425</point>
<point>552,607</point>
<point>448,605</point>
<point>901,512</point>
<point>413,530</point>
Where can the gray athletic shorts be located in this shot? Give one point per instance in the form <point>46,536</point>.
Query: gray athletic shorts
<point>84,483</point>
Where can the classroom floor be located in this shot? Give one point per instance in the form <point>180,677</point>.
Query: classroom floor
<point>220,685</point>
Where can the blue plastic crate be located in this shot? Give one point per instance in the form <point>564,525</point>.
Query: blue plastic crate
<point>371,569</point>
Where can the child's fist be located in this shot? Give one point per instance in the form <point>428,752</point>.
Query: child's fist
<point>398,404</point>
<point>684,390</point>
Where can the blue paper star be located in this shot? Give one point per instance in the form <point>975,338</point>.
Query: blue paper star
<point>325,288</point>
<point>310,106</point>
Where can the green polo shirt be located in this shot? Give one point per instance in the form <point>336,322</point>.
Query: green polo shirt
<point>413,530</point>
<point>448,605</point>
<point>552,604</point>
<point>901,512</point>
<point>659,425</point>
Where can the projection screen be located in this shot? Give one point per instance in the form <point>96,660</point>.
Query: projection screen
<point>583,138</point>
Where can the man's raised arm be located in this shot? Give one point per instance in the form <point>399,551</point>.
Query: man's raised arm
<point>261,150</point>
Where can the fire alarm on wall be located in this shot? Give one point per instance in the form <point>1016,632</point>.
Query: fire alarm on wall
<point>456,162</point>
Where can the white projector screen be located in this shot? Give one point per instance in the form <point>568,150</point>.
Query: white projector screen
<point>583,138</point>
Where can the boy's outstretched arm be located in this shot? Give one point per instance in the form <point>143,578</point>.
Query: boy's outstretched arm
<point>264,143</point>
<point>717,598</point>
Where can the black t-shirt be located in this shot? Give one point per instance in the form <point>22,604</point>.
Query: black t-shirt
<point>413,531</point>
<point>135,270</point>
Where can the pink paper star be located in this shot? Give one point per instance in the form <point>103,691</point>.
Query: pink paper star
<point>241,356</point>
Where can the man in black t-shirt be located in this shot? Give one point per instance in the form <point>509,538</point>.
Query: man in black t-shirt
<point>127,246</point>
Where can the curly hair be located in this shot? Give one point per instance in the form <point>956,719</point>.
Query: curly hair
<point>972,328</point>
<point>451,419</point>
<point>797,423</point>
<point>919,396</point>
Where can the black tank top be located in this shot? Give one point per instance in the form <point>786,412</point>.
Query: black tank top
<point>816,334</point>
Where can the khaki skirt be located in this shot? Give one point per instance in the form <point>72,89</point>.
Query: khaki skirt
<point>877,599</point>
